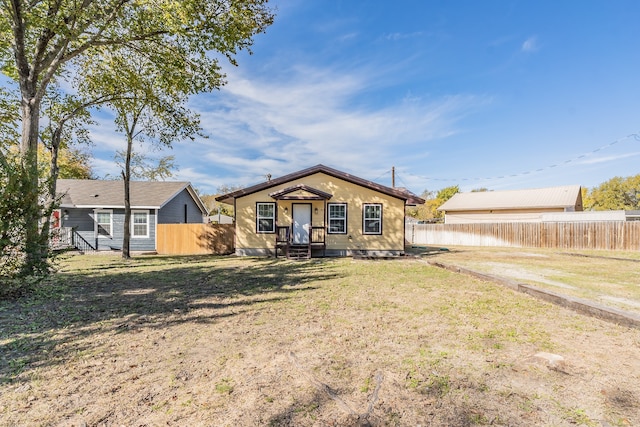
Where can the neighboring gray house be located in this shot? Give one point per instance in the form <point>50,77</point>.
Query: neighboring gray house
<point>94,209</point>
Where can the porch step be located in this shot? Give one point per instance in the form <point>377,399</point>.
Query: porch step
<point>298,252</point>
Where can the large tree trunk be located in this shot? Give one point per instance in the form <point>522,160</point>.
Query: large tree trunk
<point>35,247</point>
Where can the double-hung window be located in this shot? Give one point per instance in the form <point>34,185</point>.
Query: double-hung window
<point>266,217</point>
<point>372,218</point>
<point>139,223</point>
<point>337,218</point>
<point>104,223</point>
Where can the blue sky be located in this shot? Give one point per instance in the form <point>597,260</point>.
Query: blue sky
<point>496,94</point>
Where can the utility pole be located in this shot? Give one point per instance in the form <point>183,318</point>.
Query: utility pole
<point>393,177</point>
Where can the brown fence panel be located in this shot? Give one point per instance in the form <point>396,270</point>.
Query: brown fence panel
<point>607,235</point>
<point>195,239</point>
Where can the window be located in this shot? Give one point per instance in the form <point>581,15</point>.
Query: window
<point>104,223</point>
<point>266,217</point>
<point>139,223</point>
<point>372,218</point>
<point>337,218</point>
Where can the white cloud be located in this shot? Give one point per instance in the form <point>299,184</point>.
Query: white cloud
<point>530,44</point>
<point>320,116</point>
<point>278,125</point>
<point>402,36</point>
<point>103,168</point>
<point>606,159</point>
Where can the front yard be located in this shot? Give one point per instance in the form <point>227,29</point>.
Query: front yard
<point>248,341</point>
<point>605,277</point>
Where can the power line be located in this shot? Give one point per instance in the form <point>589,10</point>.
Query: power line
<point>383,174</point>
<point>635,136</point>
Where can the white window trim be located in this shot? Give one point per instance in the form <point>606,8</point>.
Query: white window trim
<point>365,219</point>
<point>96,224</point>
<point>344,219</point>
<point>258,218</point>
<point>133,236</point>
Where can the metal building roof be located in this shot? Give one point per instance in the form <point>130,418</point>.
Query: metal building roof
<point>553,197</point>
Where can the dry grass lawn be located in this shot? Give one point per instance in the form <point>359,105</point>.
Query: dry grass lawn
<point>608,278</point>
<point>246,341</point>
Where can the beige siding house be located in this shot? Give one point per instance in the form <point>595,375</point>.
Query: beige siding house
<point>511,206</point>
<point>319,211</point>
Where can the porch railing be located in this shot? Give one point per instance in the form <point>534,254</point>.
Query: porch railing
<point>317,235</point>
<point>81,243</point>
<point>284,239</point>
<point>68,238</point>
<point>61,238</point>
<point>283,234</point>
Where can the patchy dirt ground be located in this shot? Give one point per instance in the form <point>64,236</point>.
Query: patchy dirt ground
<point>608,278</point>
<point>228,341</point>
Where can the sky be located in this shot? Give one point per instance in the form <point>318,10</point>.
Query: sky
<point>501,95</point>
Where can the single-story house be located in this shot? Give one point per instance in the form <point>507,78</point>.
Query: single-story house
<point>511,206</point>
<point>94,211</point>
<point>319,211</point>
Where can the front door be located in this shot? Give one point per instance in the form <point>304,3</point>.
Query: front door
<point>301,223</point>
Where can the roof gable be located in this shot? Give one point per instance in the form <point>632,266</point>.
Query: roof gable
<point>393,192</point>
<point>90,193</point>
<point>553,197</point>
<point>300,192</point>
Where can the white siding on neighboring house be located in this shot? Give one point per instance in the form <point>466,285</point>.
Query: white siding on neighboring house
<point>476,218</point>
<point>584,216</point>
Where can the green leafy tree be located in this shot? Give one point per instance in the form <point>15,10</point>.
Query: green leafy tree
<point>11,225</point>
<point>148,114</point>
<point>9,119</point>
<point>42,41</point>
<point>616,193</point>
<point>422,212</point>
<point>442,196</point>
<point>146,168</point>
<point>433,200</point>
<point>214,206</point>
<point>151,110</point>
<point>71,163</point>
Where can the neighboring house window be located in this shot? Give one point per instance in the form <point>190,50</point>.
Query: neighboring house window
<point>139,223</point>
<point>372,218</point>
<point>337,218</point>
<point>266,217</point>
<point>104,223</point>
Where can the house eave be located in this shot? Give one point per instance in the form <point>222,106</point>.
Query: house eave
<point>285,194</point>
<point>391,192</point>
<point>106,207</point>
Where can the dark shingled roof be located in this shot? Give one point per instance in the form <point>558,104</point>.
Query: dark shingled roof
<point>402,194</point>
<point>90,193</point>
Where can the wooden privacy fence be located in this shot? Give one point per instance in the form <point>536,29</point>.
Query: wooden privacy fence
<point>609,235</point>
<point>195,239</point>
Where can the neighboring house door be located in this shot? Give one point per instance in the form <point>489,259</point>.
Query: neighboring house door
<point>301,223</point>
